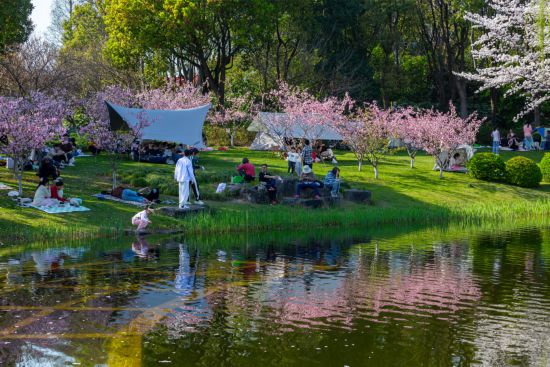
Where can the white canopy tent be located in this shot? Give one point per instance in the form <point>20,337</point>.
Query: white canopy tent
<point>178,126</point>
<point>271,127</point>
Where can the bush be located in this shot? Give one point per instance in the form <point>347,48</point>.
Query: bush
<point>487,167</point>
<point>138,182</point>
<point>524,172</point>
<point>545,167</point>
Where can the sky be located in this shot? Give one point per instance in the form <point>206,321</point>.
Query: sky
<point>41,15</point>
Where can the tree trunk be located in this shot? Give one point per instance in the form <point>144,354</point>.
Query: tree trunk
<point>375,171</point>
<point>440,171</point>
<point>462,96</point>
<point>232,138</point>
<point>412,162</point>
<point>113,167</point>
<point>360,164</point>
<point>536,116</point>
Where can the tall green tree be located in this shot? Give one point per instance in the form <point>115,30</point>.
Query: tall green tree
<point>202,34</point>
<point>15,22</point>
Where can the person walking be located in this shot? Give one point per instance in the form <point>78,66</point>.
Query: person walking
<point>496,140</point>
<point>184,176</point>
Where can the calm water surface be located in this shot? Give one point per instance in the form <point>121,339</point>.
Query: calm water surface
<point>436,297</point>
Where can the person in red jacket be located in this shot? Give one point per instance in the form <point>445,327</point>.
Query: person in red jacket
<point>57,191</point>
<point>247,170</point>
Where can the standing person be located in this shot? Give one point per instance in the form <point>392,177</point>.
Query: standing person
<point>299,164</point>
<point>247,170</point>
<point>528,136</point>
<point>184,176</point>
<point>293,157</point>
<point>332,182</point>
<point>496,140</point>
<point>195,185</point>
<point>307,154</point>
<point>141,219</point>
<point>270,183</point>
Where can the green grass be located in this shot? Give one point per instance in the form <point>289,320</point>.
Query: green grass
<point>401,196</point>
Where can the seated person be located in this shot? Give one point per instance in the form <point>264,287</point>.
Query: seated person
<point>247,170</point>
<point>42,196</point>
<point>47,169</point>
<point>513,142</point>
<point>56,191</point>
<point>308,181</point>
<point>332,181</point>
<point>456,162</point>
<point>92,147</point>
<point>58,155</point>
<point>270,182</point>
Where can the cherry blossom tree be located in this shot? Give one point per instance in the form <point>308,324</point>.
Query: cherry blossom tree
<point>307,114</point>
<point>442,133</point>
<point>118,142</point>
<point>27,124</point>
<point>404,127</point>
<point>367,134</point>
<point>98,130</point>
<point>235,115</point>
<point>511,53</point>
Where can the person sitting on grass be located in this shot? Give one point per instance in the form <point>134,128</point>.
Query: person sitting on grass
<point>247,170</point>
<point>42,196</point>
<point>56,191</point>
<point>47,169</point>
<point>308,181</point>
<point>270,183</point>
<point>332,181</point>
<point>141,219</point>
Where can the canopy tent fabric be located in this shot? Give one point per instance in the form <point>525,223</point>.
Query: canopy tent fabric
<point>272,126</point>
<point>465,153</point>
<point>178,126</point>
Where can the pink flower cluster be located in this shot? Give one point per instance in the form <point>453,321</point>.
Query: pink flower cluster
<point>29,123</point>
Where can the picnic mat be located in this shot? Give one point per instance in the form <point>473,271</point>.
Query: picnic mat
<point>83,155</point>
<point>4,187</point>
<point>59,209</point>
<point>114,198</point>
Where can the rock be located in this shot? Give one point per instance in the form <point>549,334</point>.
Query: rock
<point>174,211</point>
<point>311,203</point>
<point>255,194</point>
<point>358,196</point>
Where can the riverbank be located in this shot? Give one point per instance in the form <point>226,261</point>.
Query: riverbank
<point>401,195</point>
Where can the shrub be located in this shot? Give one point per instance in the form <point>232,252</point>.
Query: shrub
<point>138,182</point>
<point>524,172</point>
<point>545,167</point>
<point>487,167</point>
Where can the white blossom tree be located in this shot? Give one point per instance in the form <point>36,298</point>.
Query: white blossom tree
<point>512,51</point>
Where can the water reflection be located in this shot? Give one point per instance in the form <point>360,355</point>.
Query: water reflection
<point>459,297</point>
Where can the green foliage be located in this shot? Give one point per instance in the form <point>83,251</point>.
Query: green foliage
<point>15,23</point>
<point>217,136</point>
<point>545,167</point>
<point>524,172</point>
<point>487,167</point>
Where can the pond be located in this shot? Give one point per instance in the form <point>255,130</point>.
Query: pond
<point>400,297</point>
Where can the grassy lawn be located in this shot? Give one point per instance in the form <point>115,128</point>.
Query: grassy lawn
<point>400,195</point>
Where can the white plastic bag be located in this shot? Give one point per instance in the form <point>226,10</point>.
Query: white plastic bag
<point>221,188</point>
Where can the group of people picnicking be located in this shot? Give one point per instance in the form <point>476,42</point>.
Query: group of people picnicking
<point>300,161</point>
<point>533,139</point>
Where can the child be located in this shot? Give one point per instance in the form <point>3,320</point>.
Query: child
<point>141,219</point>
<point>293,157</point>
